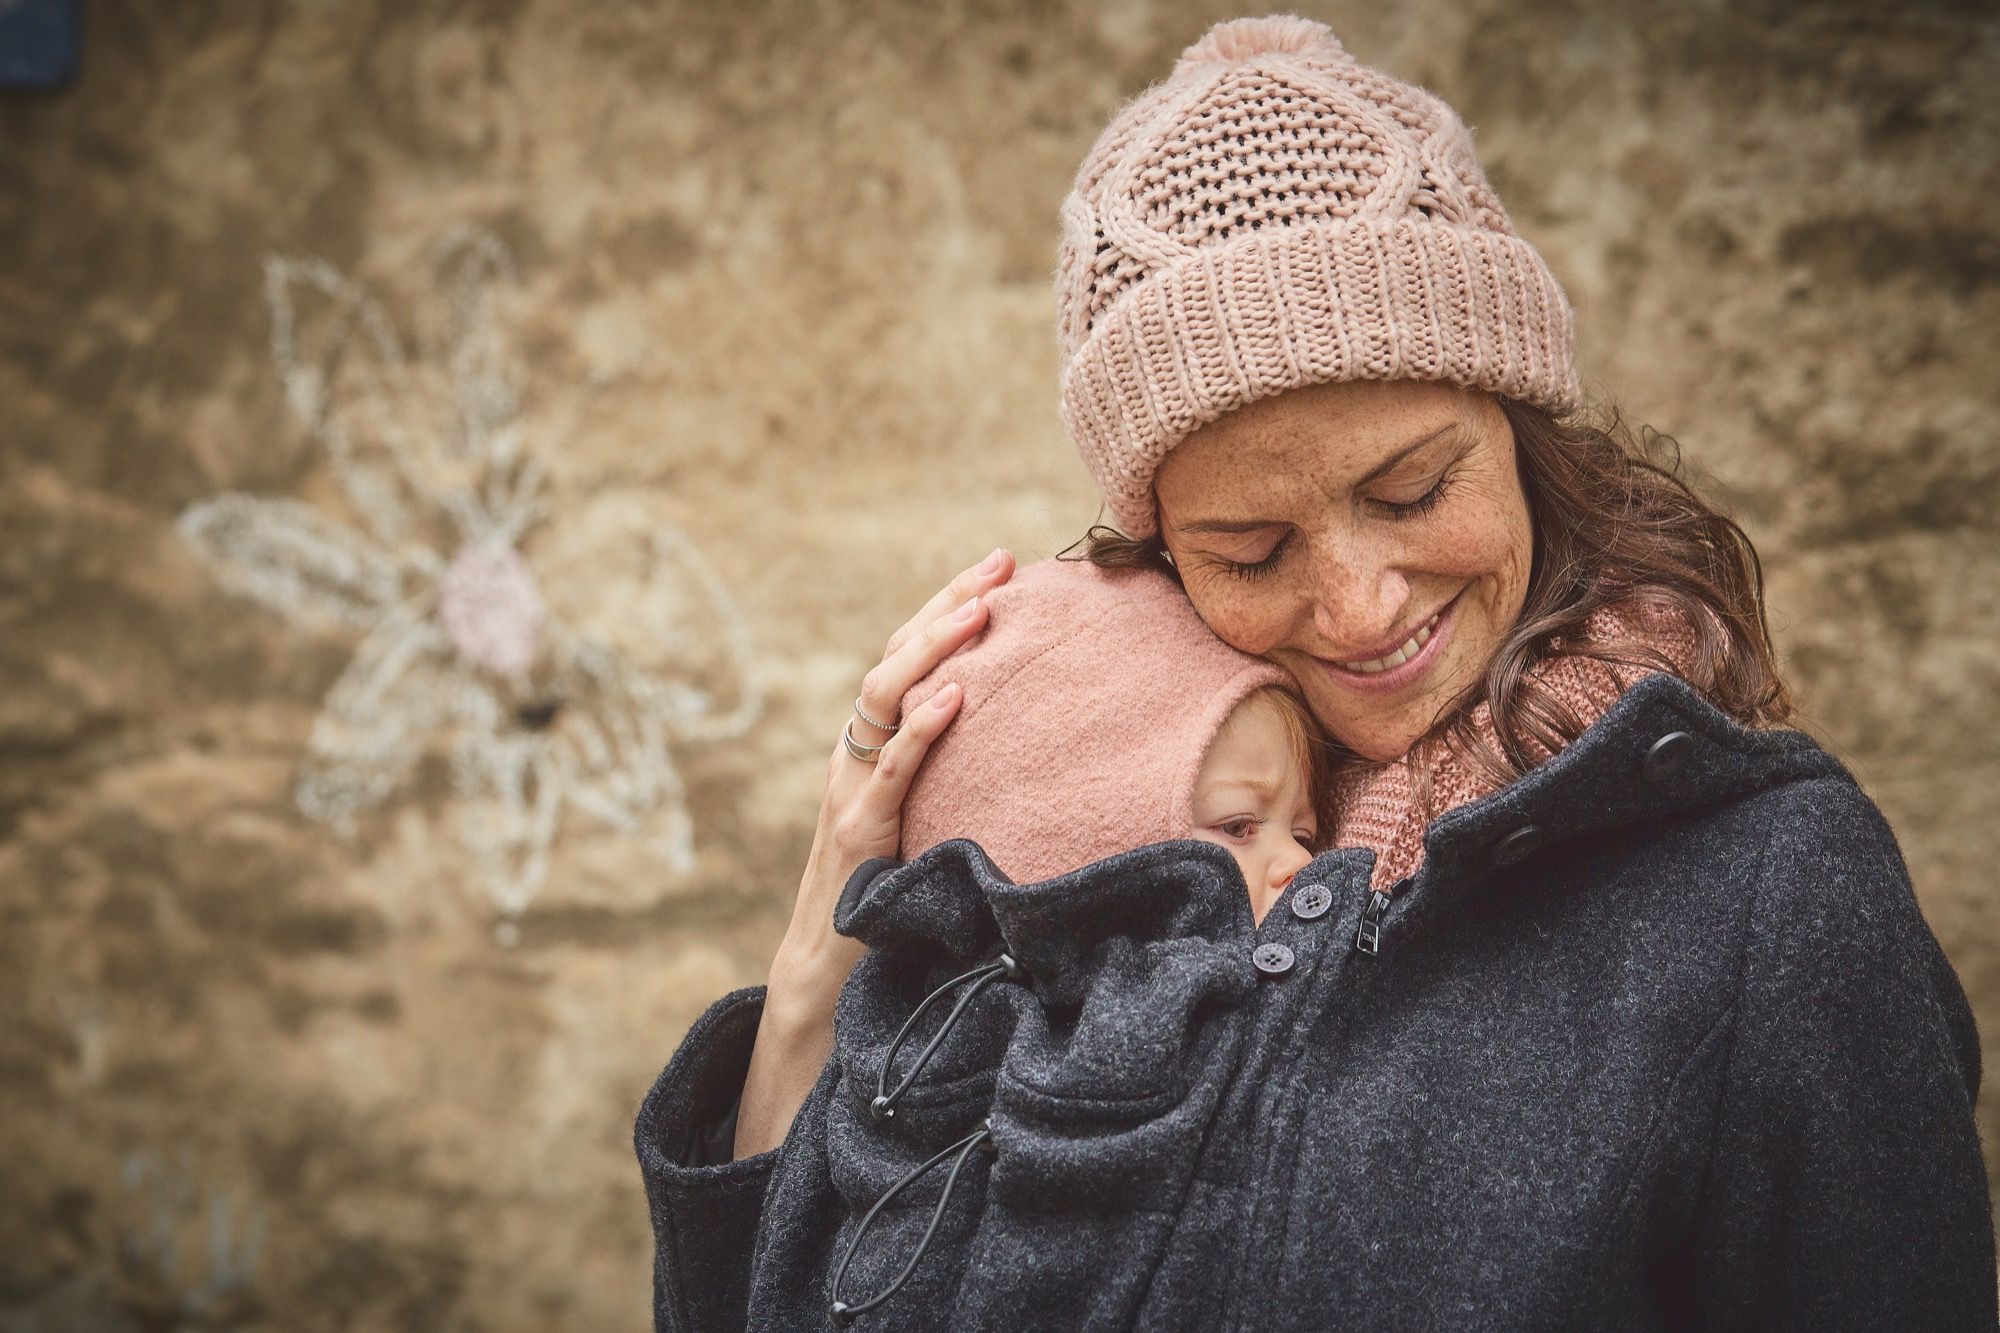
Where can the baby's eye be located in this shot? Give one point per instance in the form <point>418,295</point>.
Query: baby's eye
<point>1243,826</point>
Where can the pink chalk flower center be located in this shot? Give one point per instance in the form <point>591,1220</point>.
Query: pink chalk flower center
<point>490,608</point>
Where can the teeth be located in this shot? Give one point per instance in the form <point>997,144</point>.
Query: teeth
<point>1401,655</point>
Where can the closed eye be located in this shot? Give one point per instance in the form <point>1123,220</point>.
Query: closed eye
<point>1250,569</point>
<point>1423,504</point>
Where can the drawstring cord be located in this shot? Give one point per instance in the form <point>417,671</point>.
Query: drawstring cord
<point>884,1104</point>
<point>840,1312</point>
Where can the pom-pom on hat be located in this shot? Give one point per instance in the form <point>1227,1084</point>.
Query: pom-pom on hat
<point>1275,214</point>
<point>1091,698</point>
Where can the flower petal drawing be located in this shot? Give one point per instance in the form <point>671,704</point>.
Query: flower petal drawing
<point>620,765</point>
<point>348,383</point>
<point>475,272</point>
<point>510,791</point>
<point>293,558</point>
<point>691,712</point>
<point>378,718</point>
<point>639,590</point>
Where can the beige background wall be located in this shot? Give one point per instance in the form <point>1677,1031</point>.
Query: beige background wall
<point>783,276</point>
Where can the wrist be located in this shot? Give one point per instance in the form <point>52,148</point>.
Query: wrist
<point>806,977</point>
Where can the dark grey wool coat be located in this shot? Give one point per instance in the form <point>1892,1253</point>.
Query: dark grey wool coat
<point>1657,1038</point>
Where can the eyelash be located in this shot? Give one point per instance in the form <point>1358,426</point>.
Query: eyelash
<point>1303,835</point>
<point>1423,504</point>
<point>1255,569</point>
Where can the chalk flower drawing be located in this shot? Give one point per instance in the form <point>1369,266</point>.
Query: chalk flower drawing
<point>459,647</point>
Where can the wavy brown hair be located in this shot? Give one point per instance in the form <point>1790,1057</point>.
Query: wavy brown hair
<point>1614,522</point>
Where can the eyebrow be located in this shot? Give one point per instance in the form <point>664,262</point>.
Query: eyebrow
<point>1262,786</point>
<point>1380,470</point>
<point>1388,464</point>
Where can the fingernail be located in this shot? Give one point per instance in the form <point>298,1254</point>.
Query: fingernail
<point>943,698</point>
<point>992,562</point>
<point>968,611</point>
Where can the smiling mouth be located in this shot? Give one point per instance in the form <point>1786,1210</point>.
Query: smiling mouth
<point>1404,652</point>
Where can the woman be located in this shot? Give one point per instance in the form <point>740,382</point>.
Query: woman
<point>1623,1014</point>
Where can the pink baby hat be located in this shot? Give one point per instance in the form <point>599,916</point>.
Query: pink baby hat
<point>1275,214</point>
<point>1091,697</point>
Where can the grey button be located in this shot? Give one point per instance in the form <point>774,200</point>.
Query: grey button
<point>1517,845</point>
<point>1668,756</point>
<point>1311,902</point>
<point>1272,960</point>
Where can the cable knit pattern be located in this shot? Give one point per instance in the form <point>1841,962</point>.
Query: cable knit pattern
<point>1274,214</point>
<point>1376,804</point>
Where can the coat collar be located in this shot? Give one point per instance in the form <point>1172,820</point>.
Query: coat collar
<point>1659,750</point>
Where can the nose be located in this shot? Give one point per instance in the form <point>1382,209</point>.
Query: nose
<point>1358,597</point>
<point>1288,863</point>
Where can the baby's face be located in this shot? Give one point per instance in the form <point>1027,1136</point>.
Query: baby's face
<point>1251,798</point>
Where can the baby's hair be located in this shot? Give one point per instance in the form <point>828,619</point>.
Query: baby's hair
<point>1310,750</point>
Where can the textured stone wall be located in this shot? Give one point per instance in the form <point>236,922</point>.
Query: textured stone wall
<point>782,291</point>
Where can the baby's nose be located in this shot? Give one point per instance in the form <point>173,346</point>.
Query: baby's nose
<point>1287,864</point>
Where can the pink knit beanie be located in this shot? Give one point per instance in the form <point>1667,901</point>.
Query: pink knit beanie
<point>1275,214</point>
<point>1091,697</point>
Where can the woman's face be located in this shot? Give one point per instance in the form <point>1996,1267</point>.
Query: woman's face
<point>1326,526</point>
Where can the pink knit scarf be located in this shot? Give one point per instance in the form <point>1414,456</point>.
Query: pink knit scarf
<point>1376,803</point>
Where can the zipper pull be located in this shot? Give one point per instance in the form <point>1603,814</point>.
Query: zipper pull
<point>1368,935</point>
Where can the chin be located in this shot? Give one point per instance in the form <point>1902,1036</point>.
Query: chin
<point>1388,733</point>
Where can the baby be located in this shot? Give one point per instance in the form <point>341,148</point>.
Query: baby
<point>1100,715</point>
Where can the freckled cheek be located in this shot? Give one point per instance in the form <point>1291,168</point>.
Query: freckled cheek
<point>1489,542</point>
<point>1474,556</point>
<point>1492,564</point>
<point>1249,621</point>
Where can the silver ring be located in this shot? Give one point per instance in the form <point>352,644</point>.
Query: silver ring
<point>867,754</point>
<point>879,726</point>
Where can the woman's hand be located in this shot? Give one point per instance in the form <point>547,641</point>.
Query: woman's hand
<point>860,817</point>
